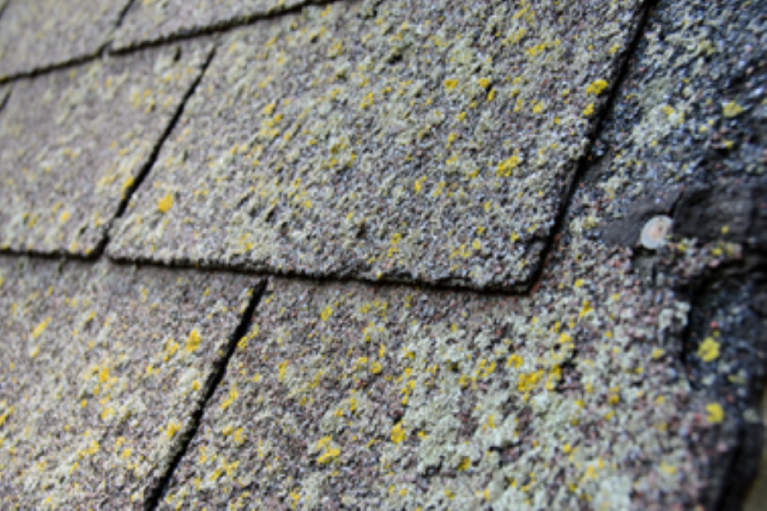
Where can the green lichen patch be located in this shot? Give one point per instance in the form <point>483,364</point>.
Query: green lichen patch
<point>397,140</point>
<point>346,396</point>
<point>101,370</point>
<point>73,144</point>
<point>156,20</point>
<point>35,34</point>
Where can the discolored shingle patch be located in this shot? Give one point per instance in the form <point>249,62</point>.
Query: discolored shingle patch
<point>348,396</point>
<point>101,370</point>
<point>35,34</point>
<point>399,140</point>
<point>150,21</point>
<point>74,143</point>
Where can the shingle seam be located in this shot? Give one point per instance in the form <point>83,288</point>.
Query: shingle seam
<point>105,49</point>
<point>124,13</point>
<point>153,155</point>
<point>43,70</point>
<point>525,288</point>
<point>96,253</point>
<point>216,28</point>
<point>214,380</point>
<point>7,97</point>
<point>57,255</point>
<point>585,163</point>
<point>3,7</point>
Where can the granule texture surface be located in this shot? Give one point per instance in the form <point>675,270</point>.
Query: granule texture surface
<point>388,254</point>
<point>74,143</point>
<point>35,34</point>
<point>102,368</point>
<point>400,140</point>
<point>151,21</point>
<point>356,396</point>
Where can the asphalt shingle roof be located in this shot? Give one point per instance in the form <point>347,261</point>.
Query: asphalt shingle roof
<point>426,142</point>
<point>103,368</point>
<point>35,34</point>
<point>150,21</point>
<point>236,240</point>
<point>74,143</point>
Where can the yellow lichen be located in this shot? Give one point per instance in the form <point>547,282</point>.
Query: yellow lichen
<point>715,413</point>
<point>39,329</point>
<point>164,204</point>
<point>708,350</point>
<point>732,109</point>
<point>193,341</point>
<point>172,428</point>
<point>507,166</point>
<point>397,434</point>
<point>597,87</point>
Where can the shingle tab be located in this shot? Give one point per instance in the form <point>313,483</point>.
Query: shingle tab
<point>35,34</point>
<point>73,144</point>
<point>150,21</point>
<point>347,396</point>
<point>101,369</point>
<point>409,140</point>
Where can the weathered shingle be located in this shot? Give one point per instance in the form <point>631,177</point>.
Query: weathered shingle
<point>101,370</point>
<point>74,143</point>
<point>348,396</point>
<point>417,141</point>
<point>35,34</point>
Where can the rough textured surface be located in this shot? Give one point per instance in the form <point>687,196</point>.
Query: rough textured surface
<point>686,137</point>
<point>628,376</point>
<point>692,109</point>
<point>356,397</point>
<point>102,368</point>
<point>149,21</point>
<point>73,144</point>
<point>36,34</point>
<point>627,379</point>
<point>402,141</point>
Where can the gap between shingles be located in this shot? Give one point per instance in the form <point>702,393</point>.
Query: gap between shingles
<point>98,251</point>
<point>160,486</point>
<point>209,30</point>
<point>524,289</point>
<point>217,27</point>
<point>123,14</point>
<point>583,165</point>
<point>144,172</point>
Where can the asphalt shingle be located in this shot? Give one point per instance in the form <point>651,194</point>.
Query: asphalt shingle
<point>347,396</point>
<point>151,21</point>
<point>35,34</point>
<point>74,143</point>
<point>101,370</point>
<point>398,140</point>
